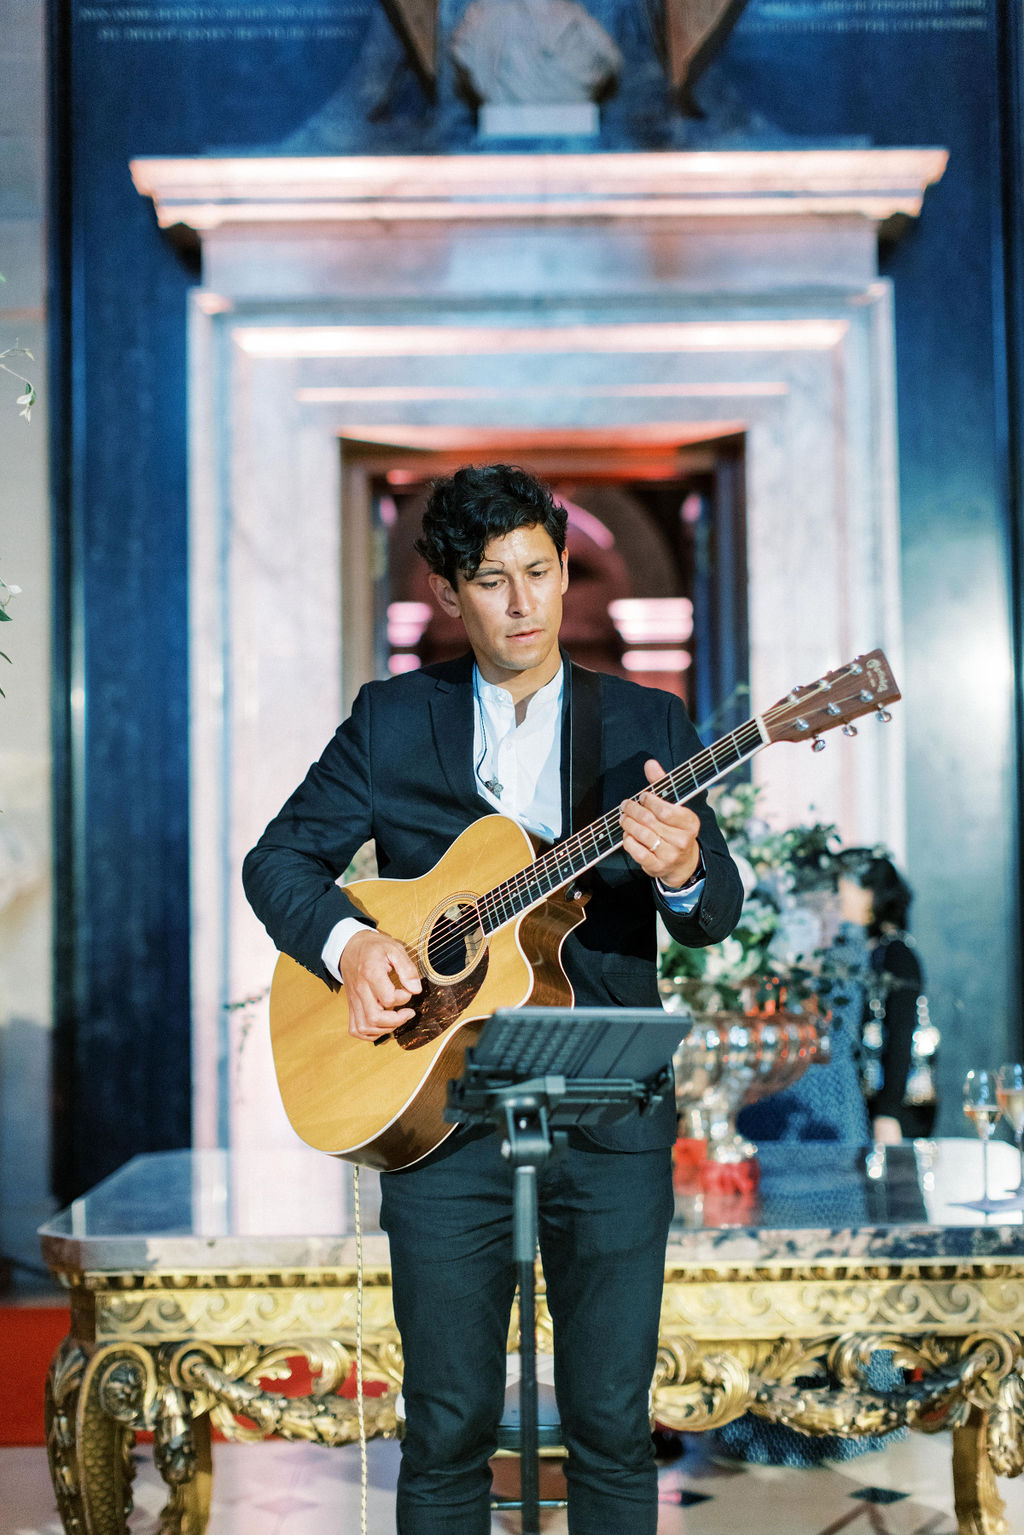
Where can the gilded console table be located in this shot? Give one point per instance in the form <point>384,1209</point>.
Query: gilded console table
<point>196,1279</point>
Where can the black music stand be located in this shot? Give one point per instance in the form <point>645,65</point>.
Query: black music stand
<point>535,1073</point>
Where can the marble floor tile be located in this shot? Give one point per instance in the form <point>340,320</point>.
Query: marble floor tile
<point>294,1489</point>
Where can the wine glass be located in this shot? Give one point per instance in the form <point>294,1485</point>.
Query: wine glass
<point>1010,1096</point>
<point>981,1105</point>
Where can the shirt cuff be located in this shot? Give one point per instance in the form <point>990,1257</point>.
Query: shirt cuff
<point>338,937</point>
<point>681,901</point>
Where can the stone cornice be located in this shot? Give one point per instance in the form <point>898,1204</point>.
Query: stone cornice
<point>206,193</point>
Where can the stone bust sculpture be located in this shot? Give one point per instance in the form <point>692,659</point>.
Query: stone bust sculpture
<point>528,52</point>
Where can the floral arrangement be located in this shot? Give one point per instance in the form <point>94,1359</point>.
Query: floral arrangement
<point>775,954</point>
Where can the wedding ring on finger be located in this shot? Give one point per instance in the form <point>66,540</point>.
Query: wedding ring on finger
<point>655,844</point>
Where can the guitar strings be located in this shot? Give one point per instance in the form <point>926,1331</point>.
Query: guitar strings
<point>546,866</point>
<point>530,883</point>
<point>546,874</point>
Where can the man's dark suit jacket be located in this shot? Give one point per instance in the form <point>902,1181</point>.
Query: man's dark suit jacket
<point>400,770</point>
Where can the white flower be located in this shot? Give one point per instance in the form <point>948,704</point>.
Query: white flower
<point>725,959</point>
<point>747,874</point>
<point>797,936</point>
<point>7,592</point>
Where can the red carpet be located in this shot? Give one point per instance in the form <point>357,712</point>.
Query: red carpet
<point>28,1338</point>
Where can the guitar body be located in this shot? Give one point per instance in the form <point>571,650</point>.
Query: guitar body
<point>381,1104</point>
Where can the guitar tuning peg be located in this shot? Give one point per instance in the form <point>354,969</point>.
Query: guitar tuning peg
<point>849,730</point>
<point>883,716</point>
<point>819,744</point>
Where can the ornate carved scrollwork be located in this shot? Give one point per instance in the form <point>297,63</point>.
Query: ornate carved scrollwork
<point>62,1387</point>
<point>824,1410</point>
<point>178,1353</point>
<point>694,1391</point>
<point>979,1508</point>
<point>89,1451</point>
<point>1006,1427</point>
<point>818,1388</point>
<point>126,1385</point>
<point>96,1400</point>
<point>321,1418</point>
<point>174,1448</point>
<point>814,1301</point>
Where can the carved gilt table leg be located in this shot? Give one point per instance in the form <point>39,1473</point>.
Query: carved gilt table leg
<point>183,1455</point>
<point>979,1508</point>
<point>95,1402</point>
<point>89,1452</point>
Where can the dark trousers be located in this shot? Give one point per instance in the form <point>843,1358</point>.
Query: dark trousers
<point>603,1222</point>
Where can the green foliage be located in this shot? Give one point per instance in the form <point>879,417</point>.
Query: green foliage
<point>775,952</point>
<point>28,396</point>
<point>6,593</point>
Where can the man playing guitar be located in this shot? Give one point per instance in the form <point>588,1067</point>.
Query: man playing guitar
<point>514,728</point>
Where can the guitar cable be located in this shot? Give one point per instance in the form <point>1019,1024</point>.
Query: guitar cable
<point>360,1408</point>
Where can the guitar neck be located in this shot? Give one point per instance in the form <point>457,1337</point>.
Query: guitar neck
<point>562,864</point>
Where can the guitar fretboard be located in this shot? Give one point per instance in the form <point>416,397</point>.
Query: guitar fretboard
<point>562,864</point>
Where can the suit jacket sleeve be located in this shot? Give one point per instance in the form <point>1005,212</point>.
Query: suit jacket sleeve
<point>289,876</point>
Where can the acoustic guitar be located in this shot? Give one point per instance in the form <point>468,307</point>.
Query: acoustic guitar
<point>485,927</point>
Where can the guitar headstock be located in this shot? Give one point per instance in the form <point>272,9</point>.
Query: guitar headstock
<point>864,686</point>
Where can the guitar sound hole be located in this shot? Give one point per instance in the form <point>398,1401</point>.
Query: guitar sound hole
<point>455,941</point>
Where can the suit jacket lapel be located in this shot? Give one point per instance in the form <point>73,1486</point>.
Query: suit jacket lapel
<point>567,754</point>
<point>451,711</point>
<point>581,748</point>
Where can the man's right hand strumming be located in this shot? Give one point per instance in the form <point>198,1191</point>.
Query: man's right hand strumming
<point>380,980</point>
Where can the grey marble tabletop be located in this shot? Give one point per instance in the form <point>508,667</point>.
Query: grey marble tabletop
<point>830,1201</point>
<point>294,1210</point>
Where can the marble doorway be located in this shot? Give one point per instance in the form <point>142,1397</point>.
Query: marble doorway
<point>645,301</point>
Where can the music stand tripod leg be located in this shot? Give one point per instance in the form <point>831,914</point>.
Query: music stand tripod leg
<point>527,1145</point>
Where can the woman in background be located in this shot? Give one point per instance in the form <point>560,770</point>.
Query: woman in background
<point>896,1072</point>
<point>879,1084</point>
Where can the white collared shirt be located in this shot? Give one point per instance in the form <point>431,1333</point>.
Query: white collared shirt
<point>524,761</point>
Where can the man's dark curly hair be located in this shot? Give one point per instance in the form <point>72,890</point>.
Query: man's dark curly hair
<point>474,505</point>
